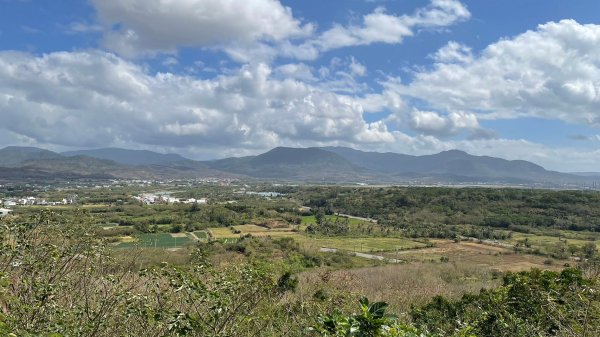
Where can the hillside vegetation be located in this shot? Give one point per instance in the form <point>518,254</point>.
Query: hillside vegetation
<point>58,278</point>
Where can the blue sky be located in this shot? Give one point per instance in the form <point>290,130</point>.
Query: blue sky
<point>214,78</point>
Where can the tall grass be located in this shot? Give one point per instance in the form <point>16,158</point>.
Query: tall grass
<point>404,285</point>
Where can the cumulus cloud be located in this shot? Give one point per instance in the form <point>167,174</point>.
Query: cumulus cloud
<point>376,27</point>
<point>299,71</point>
<point>250,30</point>
<point>152,26</point>
<point>453,52</point>
<point>443,126</point>
<point>357,68</point>
<point>95,99</point>
<point>89,99</point>
<point>551,72</point>
<point>383,27</point>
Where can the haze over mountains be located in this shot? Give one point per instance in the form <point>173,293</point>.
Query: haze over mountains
<point>327,164</point>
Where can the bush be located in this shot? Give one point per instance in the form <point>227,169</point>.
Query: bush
<point>371,321</point>
<point>532,303</point>
<point>59,279</point>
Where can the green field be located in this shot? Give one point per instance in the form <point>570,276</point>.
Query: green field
<point>545,241</point>
<point>158,240</point>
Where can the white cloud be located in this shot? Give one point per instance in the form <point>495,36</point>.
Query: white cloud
<point>253,30</point>
<point>170,61</point>
<point>382,27</point>
<point>432,123</point>
<point>440,13</point>
<point>136,27</point>
<point>88,99</point>
<point>357,68</point>
<point>298,71</point>
<point>551,72</point>
<point>94,99</point>
<point>453,52</point>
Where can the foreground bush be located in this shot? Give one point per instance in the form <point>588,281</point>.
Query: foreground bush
<point>371,321</point>
<point>535,303</point>
<point>59,279</point>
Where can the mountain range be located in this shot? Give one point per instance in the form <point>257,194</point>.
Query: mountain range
<point>325,164</point>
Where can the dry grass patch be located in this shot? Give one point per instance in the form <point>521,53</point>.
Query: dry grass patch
<point>403,285</point>
<point>478,255</point>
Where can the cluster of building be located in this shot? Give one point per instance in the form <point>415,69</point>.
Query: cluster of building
<point>151,199</point>
<point>262,194</point>
<point>31,201</point>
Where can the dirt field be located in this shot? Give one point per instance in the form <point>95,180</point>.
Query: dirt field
<point>478,255</point>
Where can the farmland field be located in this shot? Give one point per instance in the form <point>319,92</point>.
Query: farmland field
<point>426,242</point>
<point>368,244</point>
<point>311,220</point>
<point>545,241</point>
<point>158,240</point>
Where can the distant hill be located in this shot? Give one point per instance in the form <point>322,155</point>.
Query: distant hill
<point>387,162</point>
<point>291,163</point>
<point>15,156</point>
<point>28,162</point>
<point>128,157</point>
<point>327,164</point>
<point>453,165</point>
<point>586,174</point>
<point>78,165</point>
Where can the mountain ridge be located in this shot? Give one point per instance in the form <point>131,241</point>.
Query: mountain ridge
<point>329,164</point>
<point>286,162</point>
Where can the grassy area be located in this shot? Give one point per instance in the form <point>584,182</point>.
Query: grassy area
<point>364,244</point>
<point>545,241</point>
<point>478,255</point>
<point>201,235</point>
<point>158,240</point>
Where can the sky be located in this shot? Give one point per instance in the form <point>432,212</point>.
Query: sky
<point>517,79</point>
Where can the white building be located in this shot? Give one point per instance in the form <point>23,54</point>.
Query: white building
<point>4,212</point>
<point>170,200</point>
